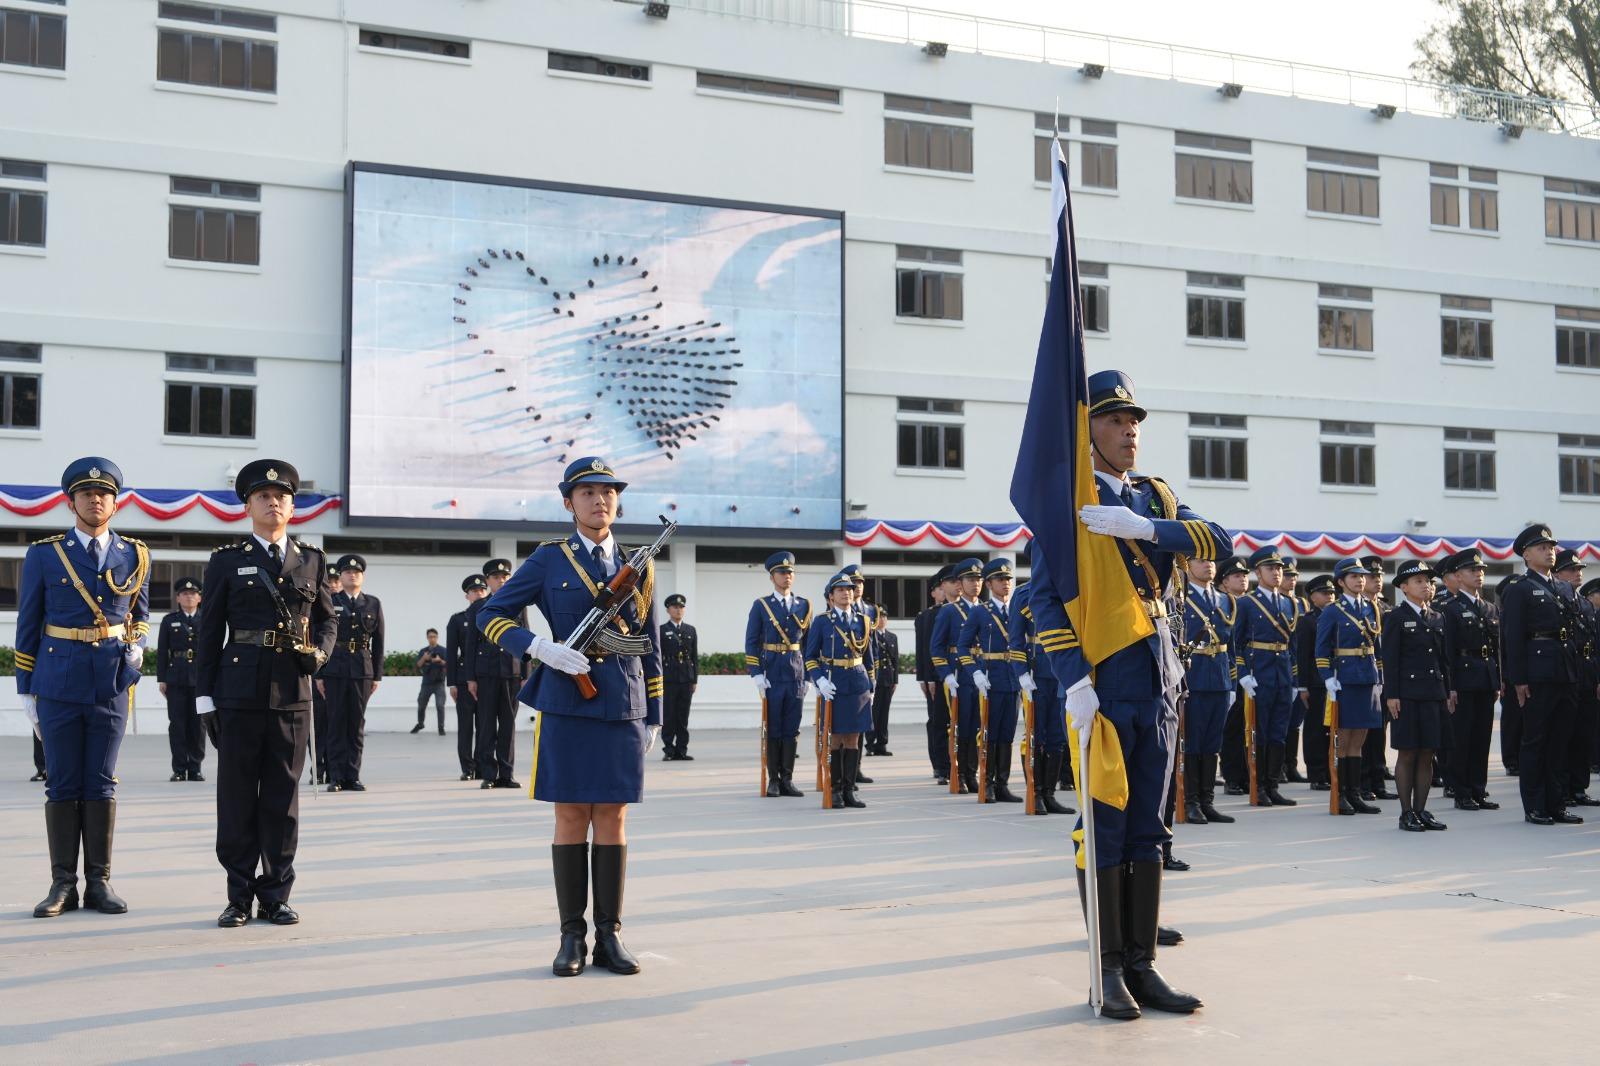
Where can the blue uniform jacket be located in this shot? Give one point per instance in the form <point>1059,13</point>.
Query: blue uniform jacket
<point>74,671</point>
<point>1209,619</point>
<point>1022,642</point>
<point>1262,622</point>
<point>1347,643</point>
<point>775,638</point>
<point>840,652</point>
<point>563,590</point>
<point>1131,673</point>
<point>948,651</point>
<point>985,633</point>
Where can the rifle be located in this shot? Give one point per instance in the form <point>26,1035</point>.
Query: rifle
<point>1179,814</point>
<point>1028,776</point>
<point>1250,742</point>
<point>1091,892</point>
<point>596,630</point>
<point>822,752</point>
<point>1332,717</point>
<point>983,746</point>
<point>826,768</point>
<point>955,767</point>
<point>761,785</point>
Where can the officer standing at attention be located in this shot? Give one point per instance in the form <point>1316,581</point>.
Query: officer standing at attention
<point>953,660</point>
<point>492,678</point>
<point>1374,761</point>
<point>1290,771</point>
<point>1541,664</point>
<point>774,641</point>
<point>1209,636</point>
<point>986,632</point>
<point>352,674</point>
<point>680,667</point>
<point>175,674</point>
<point>1472,641</point>
<point>82,619</point>
<point>319,702</point>
<point>266,627</point>
<point>886,652</point>
<point>1510,703</point>
<point>928,679</point>
<point>1233,580</point>
<point>1347,646</point>
<point>1134,689</point>
<point>1265,622</point>
<point>588,753</point>
<point>1320,592</point>
<point>1416,691</point>
<point>1569,578</point>
<point>838,659</point>
<point>1029,662</point>
<point>458,673</point>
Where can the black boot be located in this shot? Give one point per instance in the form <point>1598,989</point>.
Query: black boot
<point>570,864</point>
<point>1191,791</point>
<point>970,777</point>
<point>63,825</point>
<point>1353,789</point>
<point>1141,923</point>
<point>1344,786</point>
<point>1208,790</point>
<point>836,776</point>
<point>610,874</point>
<point>1052,775</point>
<point>1116,1000</point>
<point>99,826</point>
<point>857,777</point>
<point>1001,792</point>
<point>1039,760</point>
<point>786,784</point>
<point>1274,768</point>
<point>774,768</point>
<point>852,774</point>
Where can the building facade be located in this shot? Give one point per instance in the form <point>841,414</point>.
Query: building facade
<point>1342,322</point>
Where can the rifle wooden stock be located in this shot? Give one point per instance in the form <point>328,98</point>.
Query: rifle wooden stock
<point>827,763</point>
<point>983,747</point>
<point>1333,754</point>
<point>1178,799</point>
<point>822,753</point>
<point>1250,743</point>
<point>953,710</point>
<point>761,785</point>
<point>1031,798</point>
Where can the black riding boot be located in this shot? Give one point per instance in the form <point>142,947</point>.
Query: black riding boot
<point>1116,1000</point>
<point>852,774</point>
<point>1191,791</point>
<point>788,749</point>
<point>570,864</point>
<point>1052,774</point>
<point>836,776</point>
<point>1351,780</point>
<point>1208,790</point>
<point>1141,923</point>
<point>774,768</point>
<point>610,874</point>
<point>99,826</point>
<point>1001,792</point>
<point>63,826</point>
<point>1274,768</point>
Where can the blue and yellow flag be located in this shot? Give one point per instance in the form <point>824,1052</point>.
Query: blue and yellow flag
<point>1054,476</point>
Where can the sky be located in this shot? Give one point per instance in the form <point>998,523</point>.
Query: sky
<point>1372,36</point>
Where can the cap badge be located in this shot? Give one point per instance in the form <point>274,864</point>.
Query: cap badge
<point>597,466</point>
<point>272,473</point>
<point>1120,391</point>
<point>94,471</point>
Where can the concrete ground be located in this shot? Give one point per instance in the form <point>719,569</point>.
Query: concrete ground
<point>774,932</point>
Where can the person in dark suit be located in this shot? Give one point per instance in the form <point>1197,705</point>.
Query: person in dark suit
<point>680,667</point>
<point>266,627</point>
<point>492,679</point>
<point>1586,705</point>
<point>175,674</point>
<point>319,702</point>
<point>352,674</point>
<point>1472,642</point>
<point>887,654</point>
<point>1416,690</point>
<point>928,678</point>
<point>458,676</point>
<point>431,661</point>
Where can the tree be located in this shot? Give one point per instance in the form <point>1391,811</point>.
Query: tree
<point>1548,48</point>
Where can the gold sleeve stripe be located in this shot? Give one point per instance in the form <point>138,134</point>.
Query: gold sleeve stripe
<point>811,664</point>
<point>24,661</point>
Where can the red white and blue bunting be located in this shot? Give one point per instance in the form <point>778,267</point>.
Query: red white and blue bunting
<point>161,504</point>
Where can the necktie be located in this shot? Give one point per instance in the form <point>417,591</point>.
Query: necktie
<point>275,553</point>
<point>600,559</point>
<point>93,547</point>
<point>1127,496</point>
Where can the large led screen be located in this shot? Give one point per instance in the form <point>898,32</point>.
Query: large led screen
<point>500,329</point>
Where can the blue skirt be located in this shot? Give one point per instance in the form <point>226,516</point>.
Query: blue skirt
<point>852,714</point>
<point>1358,707</point>
<point>586,760</point>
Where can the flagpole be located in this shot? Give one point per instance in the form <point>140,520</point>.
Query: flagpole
<point>1091,890</point>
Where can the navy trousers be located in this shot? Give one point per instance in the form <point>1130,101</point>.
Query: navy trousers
<point>81,741</point>
<point>1147,733</point>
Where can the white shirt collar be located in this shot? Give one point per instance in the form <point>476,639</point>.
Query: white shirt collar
<point>608,547</point>
<point>283,545</point>
<point>1117,484</point>
<point>80,537</point>
<point>1409,602</point>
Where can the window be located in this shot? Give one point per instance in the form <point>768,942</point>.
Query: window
<point>1094,293</point>
<point>1579,463</point>
<point>214,234</point>
<point>900,597</point>
<point>1574,215</point>
<point>1578,337</point>
<point>783,90</point>
<point>243,63</point>
<point>401,42</point>
<point>1469,460</point>
<point>1445,193</point>
<point>19,400</point>
<point>227,190</point>
<point>22,202</point>
<point>1212,169</point>
<point>19,352</point>
<point>622,69</point>
<point>1466,328</point>
<point>28,39</point>
<point>195,410</point>
<point>1344,318</point>
<point>929,434</point>
<point>212,364</point>
<point>927,145</point>
<point>1097,150</point>
<point>1216,306</point>
<point>1347,454</point>
<point>1341,183</point>
<point>927,282</point>
<point>1218,448</point>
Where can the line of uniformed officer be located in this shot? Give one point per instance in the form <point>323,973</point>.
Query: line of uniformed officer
<point>680,667</point>
<point>458,674</point>
<point>1034,679</point>
<point>774,644</point>
<point>954,663</point>
<point>1267,669</point>
<point>493,677</point>
<point>352,674</point>
<point>1472,636</point>
<point>175,674</point>
<point>986,638</point>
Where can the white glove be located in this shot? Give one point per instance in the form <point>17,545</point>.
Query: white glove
<point>1027,683</point>
<point>1081,705</point>
<point>981,679</point>
<point>762,684</point>
<point>1333,686</point>
<point>133,654</point>
<point>1117,522</point>
<point>827,688</point>
<point>952,685</point>
<point>1232,695</point>
<point>1248,683</point>
<point>204,705</point>
<point>30,707</point>
<point>650,742</point>
<point>559,656</point>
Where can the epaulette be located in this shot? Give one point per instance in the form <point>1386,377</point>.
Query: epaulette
<point>226,547</point>
<point>51,540</point>
<point>303,546</point>
<point>134,540</point>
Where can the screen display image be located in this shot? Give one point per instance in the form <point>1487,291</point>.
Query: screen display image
<point>499,330</point>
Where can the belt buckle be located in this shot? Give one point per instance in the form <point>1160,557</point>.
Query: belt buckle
<point>269,638</point>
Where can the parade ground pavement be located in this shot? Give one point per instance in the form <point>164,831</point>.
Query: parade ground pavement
<point>924,929</point>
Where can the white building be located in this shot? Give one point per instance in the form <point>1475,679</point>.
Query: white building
<point>1340,321</point>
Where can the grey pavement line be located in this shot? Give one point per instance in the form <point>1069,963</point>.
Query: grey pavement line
<point>1519,903</point>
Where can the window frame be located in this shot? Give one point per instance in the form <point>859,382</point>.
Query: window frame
<point>923,269</point>
<point>1341,436</point>
<point>1463,189</point>
<point>1195,149</point>
<point>1470,441</point>
<point>36,19</point>
<point>1483,325</point>
<point>1213,291</point>
<point>13,187</point>
<point>756,96</point>
<point>1074,133</point>
<point>223,34</point>
<point>1326,167</point>
<point>1214,433</point>
<point>1336,302</point>
<point>646,82</point>
<point>1584,198</point>
<point>1578,321</point>
<point>195,383</point>
<point>10,372</point>
<point>920,421</point>
<point>1586,451</point>
<point>229,206</point>
<point>364,45</point>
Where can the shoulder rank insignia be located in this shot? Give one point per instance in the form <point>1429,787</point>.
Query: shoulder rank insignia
<point>51,540</point>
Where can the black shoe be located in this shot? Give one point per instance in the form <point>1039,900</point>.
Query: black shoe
<point>416,729</point>
<point>1561,818</point>
<point>466,775</point>
<point>1367,794</point>
<point>850,763</point>
<point>233,916</point>
<point>336,787</point>
<point>196,775</point>
<point>570,957</point>
<point>1449,792</point>
<point>1278,799</point>
<point>667,756</point>
<point>1512,771</point>
<point>774,788</point>
<point>508,782</point>
<point>1194,815</point>
<point>684,756</point>
<point>99,827</point>
<point>1386,793</point>
<point>1582,799</point>
<point>1214,815</point>
<point>1234,790</point>
<point>486,784</point>
<point>885,752</point>
<point>1150,990</point>
<point>178,775</point>
<point>441,732</point>
<point>1001,794</point>
<point>1429,821</point>
<point>1168,937</point>
<point>941,780</point>
<point>1321,786</point>
<point>1173,863</point>
<point>1388,775</point>
<point>354,786</point>
<point>63,825</point>
<point>38,776</point>
<point>1538,818</point>
<point>1467,803</point>
<point>322,777</point>
<point>1293,776</point>
<point>786,788</point>
<point>1487,804</point>
<point>278,912</point>
<point>1411,823</point>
